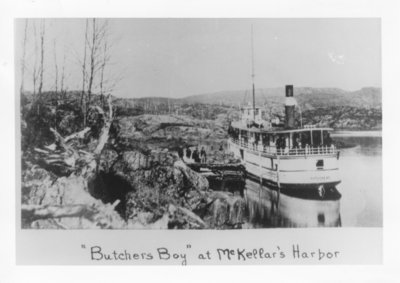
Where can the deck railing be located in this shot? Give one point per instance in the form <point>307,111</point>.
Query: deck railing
<point>307,150</point>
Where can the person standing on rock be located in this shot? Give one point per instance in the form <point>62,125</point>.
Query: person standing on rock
<point>196,156</point>
<point>180,152</point>
<point>203,155</point>
<point>188,153</point>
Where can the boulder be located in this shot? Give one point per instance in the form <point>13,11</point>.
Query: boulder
<point>44,193</point>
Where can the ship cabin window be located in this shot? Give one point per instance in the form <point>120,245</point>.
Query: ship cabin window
<point>272,140</point>
<point>321,138</point>
<point>305,139</point>
<point>320,164</point>
<point>296,140</point>
<point>312,138</point>
<point>280,142</point>
<point>316,138</point>
<point>326,137</point>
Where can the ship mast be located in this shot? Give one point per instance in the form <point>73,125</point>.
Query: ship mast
<point>252,74</point>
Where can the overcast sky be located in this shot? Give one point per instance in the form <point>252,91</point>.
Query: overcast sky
<point>180,57</point>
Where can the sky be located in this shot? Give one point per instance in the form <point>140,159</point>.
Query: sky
<point>181,57</point>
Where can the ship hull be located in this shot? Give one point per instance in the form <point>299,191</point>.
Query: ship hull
<point>293,175</point>
<point>306,191</point>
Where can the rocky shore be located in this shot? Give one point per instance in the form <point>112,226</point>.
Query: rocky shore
<point>139,181</point>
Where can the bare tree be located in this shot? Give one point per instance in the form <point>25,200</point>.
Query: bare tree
<point>96,58</point>
<point>106,58</point>
<point>83,99</point>
<point>93,47</point>
<point>62,79</point>
<point>35,71</point>
<point>55,68</point>
<point>23,66</point>
<point>56,96</point>
<point>99,57</point>
<point>41,69</point>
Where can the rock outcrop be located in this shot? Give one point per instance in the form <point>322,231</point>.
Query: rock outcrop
<point>49,202</point>
<point>140,183</point>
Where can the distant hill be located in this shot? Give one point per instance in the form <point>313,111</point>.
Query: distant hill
<point>331,107</point>
<point>307,97</point>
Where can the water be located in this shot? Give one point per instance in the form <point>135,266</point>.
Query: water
<point>361,190</point>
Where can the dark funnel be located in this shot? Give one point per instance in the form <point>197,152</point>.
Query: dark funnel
<point>289,107</point>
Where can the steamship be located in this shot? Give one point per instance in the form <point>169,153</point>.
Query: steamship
<point>295,160</point>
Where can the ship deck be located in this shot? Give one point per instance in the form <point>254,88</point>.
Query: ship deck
<point>287,152</point>
<point>277,130</point>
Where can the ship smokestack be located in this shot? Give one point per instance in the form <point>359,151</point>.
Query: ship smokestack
<point>289,107</point>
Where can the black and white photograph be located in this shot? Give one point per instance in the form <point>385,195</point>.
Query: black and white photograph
<point>199,123</point>
<point>199,141</point>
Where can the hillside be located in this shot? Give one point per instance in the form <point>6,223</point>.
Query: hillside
<point>307,97</point>
<point>333,107</point>
<point>357,110</point>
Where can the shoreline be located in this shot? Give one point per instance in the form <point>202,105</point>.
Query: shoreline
<point>352,133</point>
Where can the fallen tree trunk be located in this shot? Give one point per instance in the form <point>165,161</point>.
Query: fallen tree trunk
<point>61,140</point>
<point>36,212</point>
<point>79,135</point>
<point>53,146</point>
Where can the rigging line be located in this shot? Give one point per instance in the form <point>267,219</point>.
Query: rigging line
<point>252,55</point>
<point>245,97</point>
<point>252,72</point>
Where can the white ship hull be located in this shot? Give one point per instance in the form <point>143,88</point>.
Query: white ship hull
<point>288,172</point>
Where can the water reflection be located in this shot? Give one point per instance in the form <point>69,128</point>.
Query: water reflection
<point>361,186</point>
<point>267,209</point>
